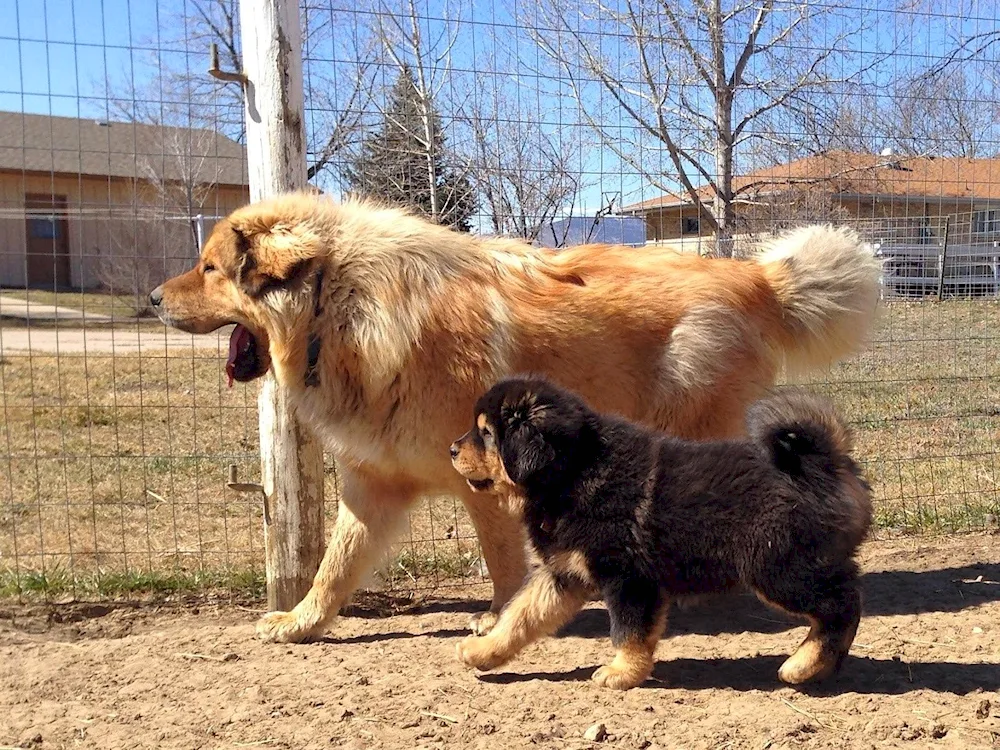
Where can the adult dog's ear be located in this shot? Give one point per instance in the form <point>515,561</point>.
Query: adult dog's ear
<point>272,254</point>
<point>525,452</point>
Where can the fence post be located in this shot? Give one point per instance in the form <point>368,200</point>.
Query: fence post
<point>199,232</point>
<point>291,457</point>
<point>944,258</point>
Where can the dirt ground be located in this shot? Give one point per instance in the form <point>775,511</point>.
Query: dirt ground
<point>924,672</point>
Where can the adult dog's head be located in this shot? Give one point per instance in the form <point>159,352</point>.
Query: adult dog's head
<point>250,259</point>
<point>527,432</point>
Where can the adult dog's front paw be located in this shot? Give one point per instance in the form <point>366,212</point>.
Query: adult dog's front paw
<point>480,652</point>
<point>483,623</point>
<point>284,627</point>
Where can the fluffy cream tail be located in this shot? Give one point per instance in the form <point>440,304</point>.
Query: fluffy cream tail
<point>828,285</point>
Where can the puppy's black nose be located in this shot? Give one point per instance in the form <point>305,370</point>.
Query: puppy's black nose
<point>156,296</point>
<point>453,450</point>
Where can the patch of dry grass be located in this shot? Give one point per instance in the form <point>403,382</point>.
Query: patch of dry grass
<point>923,402</point>
<point>118,306</point>
<point>112,470</point>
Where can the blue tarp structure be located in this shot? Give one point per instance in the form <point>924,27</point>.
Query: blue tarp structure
<point>615,230</point>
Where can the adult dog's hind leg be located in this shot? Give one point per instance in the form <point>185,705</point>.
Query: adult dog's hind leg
<point>501,537</point>
<point>543,605</point>
<point>638,612</point>
<point>370,511</point>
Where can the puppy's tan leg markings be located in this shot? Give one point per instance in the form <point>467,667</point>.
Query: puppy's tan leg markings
<point>632,664</point>
<point>540,608</point>
<point>821,652</point>
<point>368,514</point>
<point>573,564</point>
<point>819,656</point>
<point>634,660</point>
<point>812,660</point>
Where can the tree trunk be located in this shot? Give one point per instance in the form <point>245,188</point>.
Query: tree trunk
<point>431,166</point>
<point>722,207</point>
<point>723,210</point>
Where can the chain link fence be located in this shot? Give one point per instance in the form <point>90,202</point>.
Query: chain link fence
<point>704,128</point>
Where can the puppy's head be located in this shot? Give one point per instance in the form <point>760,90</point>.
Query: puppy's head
<point>476,456</point>
<point>251,257</point>
<point>526,430</point>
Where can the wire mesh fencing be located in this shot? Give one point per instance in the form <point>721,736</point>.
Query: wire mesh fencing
<point>704,128</point>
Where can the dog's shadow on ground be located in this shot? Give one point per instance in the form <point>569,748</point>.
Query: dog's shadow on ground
<point>885,593</point>
<point>862,675</point>
<point>396,635</point>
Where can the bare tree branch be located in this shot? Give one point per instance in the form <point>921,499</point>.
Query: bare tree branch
<point>750,47</point>
<point>970,48</point>
<point>337,91</point>
<point>673,84</point>
<point>523,170</point>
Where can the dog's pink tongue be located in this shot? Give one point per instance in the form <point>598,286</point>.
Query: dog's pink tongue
<point>239,340</point>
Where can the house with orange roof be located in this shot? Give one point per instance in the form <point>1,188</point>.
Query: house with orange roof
<point>881,189</point>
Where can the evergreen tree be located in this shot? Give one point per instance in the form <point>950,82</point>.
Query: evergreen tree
<point>399,163</point>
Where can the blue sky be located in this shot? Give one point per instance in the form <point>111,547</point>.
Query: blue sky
<point>55,53</point>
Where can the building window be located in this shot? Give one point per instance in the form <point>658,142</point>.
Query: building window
<point>986,222</point>
<point>44,228</point>
<point>690,225</point>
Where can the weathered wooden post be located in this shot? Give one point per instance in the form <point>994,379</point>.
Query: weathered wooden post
<point>944,259</point>
<point>291,457</point>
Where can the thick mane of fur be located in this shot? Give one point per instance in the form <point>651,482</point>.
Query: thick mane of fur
<point>392,238</point>
<point>395,261</point>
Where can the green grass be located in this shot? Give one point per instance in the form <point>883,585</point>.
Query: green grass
<point>113,469</point>
<point>923,401</point>
<point>59,582</point>
<point>420,563</point>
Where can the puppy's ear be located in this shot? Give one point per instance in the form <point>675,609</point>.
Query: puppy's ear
<point>272,254</point>
<point>525,452</point>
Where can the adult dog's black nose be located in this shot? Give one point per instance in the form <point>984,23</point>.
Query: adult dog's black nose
<point>453,450</point>
<point>156,296</point>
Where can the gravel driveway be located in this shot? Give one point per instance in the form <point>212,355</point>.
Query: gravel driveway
<point>15,340</point>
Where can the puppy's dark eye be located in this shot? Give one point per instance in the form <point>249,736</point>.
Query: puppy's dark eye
<point>208,268</point>
<point>486,434</point>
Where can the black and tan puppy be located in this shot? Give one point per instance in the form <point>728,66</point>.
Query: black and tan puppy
<point>641,519</point>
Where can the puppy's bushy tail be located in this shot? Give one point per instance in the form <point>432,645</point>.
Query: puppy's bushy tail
<point>807,439</point>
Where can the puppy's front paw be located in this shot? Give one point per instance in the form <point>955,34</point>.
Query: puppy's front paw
<point>483,623</point>
<point>611,676</point>
<point>283,627</point>
<point>479,652</point>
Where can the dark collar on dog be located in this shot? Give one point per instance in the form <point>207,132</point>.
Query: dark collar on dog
<point>315,342</point>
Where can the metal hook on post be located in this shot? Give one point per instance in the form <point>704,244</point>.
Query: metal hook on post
<point>223,75</point>
<point>247,487</point>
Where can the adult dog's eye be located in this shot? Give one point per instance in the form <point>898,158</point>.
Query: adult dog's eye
<point>208,268</point>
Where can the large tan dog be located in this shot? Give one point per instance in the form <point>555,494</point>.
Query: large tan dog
<point>386,328</point>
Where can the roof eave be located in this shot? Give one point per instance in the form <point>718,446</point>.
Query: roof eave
<point>908,197</point>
